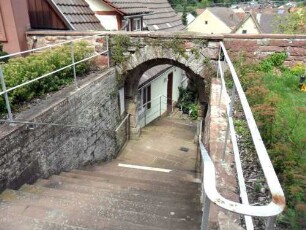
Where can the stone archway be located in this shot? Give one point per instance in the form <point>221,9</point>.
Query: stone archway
<point>133,56</point>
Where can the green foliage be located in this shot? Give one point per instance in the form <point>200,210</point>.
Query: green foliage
<point>274,60</point>
<point>186,100</point>
<point>119,46</point>
<point>23,69</point>
<point>292,23</point>
<point>280,112</point>
<point>3,53</point>
<point>194,111</point>
<point>177,45</point>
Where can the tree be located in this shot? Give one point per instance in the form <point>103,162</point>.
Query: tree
<point>184,16</point>
<point>293,23</point>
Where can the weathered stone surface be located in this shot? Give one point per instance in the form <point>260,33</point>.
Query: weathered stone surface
<point>27,154</point>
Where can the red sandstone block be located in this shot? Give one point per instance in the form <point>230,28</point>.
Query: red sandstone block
<point>279,42</point>
<point>298,43</point>
<point>271,49</point>
<point>296,51</point>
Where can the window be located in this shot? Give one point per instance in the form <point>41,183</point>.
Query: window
<point>146,97</point>
<point>206,22</point>
<point>244,31</point>
<point>137,24</point>
<point>125,25</point>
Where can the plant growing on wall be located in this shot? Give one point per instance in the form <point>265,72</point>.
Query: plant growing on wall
<point>119,47</point>
<point>3,53</point>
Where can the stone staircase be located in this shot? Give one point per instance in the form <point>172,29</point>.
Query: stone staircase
<point>108,196</point>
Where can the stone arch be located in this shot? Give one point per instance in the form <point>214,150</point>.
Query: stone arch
<point>132,77</point>
<point>197,56</point>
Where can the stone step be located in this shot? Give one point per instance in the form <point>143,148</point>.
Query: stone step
<point>174,177</point>
<point>92,187</point>
<point>179,188</point>
<point>56,210</point>
<point>114,203</point>
<point>14,221</point>
<point>78,212</point>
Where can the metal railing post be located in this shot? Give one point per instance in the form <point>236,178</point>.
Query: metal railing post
<point>270,223</point>
<point>108,52</point>
<point>232,100</point>
<point>230,115</point>
<point>205,215</point>
<point>73,64</point>
<point>220,94</point>
<point>6,98</point>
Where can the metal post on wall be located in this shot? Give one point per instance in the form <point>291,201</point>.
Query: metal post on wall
<point>270,223</point>
<point>73,63</point>
<point>230,115</point>
<point>6,98</point>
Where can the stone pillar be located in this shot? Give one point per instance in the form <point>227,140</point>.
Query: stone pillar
<point>132,110</point>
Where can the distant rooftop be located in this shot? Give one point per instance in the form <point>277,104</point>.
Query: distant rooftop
<point>129,7</point>
<point>226,15</point>
<point>162,16</point>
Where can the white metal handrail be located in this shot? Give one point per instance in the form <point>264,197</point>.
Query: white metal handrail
<point>277,205</point>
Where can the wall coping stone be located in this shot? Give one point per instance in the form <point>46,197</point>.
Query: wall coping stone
<point>153,34</point>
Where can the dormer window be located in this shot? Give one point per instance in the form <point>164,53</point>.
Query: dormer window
<point>206,22</point>
<point>137,24</point>
<point>244,31</point>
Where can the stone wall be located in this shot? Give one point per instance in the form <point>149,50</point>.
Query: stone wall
<point>256,47</point>
<point>27,153</point>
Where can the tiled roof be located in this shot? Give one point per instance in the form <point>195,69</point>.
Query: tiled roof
<point>129,7</point>
<point>226,15</point>
<point>269,20</point>
<point>78,14</point>
<point>163,17</point>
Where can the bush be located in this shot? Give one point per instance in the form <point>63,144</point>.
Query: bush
<point>280,113</point>
<point>22,69</point>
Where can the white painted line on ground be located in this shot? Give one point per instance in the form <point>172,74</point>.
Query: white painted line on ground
<point>144,168</point>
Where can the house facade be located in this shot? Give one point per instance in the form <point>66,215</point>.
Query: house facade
<point>215,20</point>
<point>119,15</point>
<point>158,91</point>
<point>19,16</point>
<point>14,22</point>
<point>221,20</point>
<point>248,26</point>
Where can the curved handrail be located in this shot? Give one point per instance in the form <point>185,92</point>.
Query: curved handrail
<point>274,208</point>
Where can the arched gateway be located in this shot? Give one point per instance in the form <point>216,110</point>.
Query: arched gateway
<point>134,55</point>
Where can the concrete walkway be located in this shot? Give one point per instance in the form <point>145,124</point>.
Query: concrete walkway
<point>165,143</point>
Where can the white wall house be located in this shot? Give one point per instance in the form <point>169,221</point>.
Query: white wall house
<point>158,92</point>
